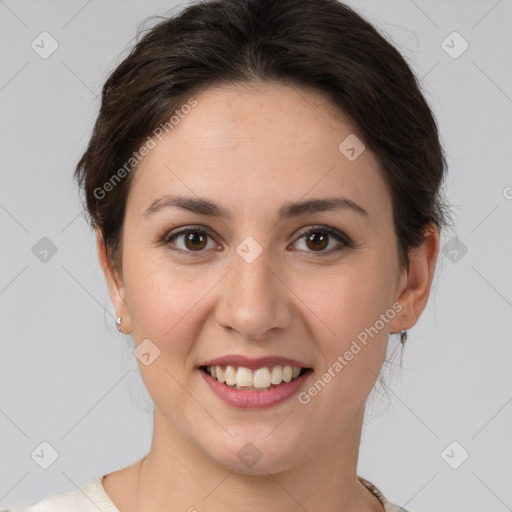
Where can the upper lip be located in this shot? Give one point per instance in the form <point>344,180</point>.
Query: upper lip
<point>253,363</point>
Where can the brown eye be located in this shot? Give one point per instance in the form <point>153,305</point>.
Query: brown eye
<point>317,240</point>
<point>193,240</point>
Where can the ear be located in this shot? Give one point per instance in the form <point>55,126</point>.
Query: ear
<point>115,285</point>
<point>414,286</point>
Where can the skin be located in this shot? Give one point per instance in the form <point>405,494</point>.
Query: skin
<point>251,150</point>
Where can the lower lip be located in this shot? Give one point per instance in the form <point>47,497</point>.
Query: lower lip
<point>255,399</point>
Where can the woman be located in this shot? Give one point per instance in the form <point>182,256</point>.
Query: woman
<point>264,178</point>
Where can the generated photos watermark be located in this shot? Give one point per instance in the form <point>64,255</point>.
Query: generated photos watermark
<point>305,397</point>
<point>149,144</point>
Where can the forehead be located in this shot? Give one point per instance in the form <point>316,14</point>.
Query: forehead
<point>261,145</point>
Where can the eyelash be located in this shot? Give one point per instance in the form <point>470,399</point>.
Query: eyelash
<point>341,237</point>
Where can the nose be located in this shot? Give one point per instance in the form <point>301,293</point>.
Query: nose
<point>255,298</point>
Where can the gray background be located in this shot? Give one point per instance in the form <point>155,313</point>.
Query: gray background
<point>69,378</point>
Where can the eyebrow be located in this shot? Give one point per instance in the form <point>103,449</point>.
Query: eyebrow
<point>288,210</point>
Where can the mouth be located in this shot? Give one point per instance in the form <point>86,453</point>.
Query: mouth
<point>258,379</point>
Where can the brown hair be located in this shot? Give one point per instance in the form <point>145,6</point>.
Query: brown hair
<point>319,44</point>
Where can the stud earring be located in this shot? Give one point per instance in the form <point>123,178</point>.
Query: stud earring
<point>403,337</point>
<point>118,323</point>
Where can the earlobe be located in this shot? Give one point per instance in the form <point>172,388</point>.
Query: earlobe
<point>114,283</point>
<point>416,283</point>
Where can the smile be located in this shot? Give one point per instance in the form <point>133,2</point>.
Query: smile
<point>259,379</point>
<point>242,393</point>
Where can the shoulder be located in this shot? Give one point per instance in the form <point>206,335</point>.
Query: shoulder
<point>388,506</point>
<point>90,497</point>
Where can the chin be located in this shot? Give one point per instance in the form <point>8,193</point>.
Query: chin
<point>258,456</point>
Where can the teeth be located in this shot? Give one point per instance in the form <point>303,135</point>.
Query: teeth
<point>261,379</point>
<point>230,376</point>
<point>277,375</point>
<point>244,378</point>
<point>220,374</point>
<point>287,373</point>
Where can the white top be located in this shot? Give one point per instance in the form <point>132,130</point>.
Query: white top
<point>92,497</point>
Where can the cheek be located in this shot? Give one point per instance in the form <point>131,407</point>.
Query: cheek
<point>355,309</point>
<point>353,344</point>
<point>162,306</point>
<point>349,300</point>
<point>161,300</point>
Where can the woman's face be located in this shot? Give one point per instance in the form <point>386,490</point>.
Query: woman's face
<point>258,283</point>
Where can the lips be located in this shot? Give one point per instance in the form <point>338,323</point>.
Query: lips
<point>252,397</point>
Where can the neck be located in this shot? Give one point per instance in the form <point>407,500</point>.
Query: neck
<point>176,471</point>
